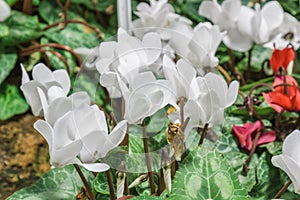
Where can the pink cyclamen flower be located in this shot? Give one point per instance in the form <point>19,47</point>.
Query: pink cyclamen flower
<point>246,134</point>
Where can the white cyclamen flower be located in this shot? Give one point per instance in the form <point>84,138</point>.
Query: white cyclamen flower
<point>287,33</point>
<point>203,46</point>
<point>81,137</point>
<point>255,26</point>
<point>156,17</point>
<point>289,160</point>
<point>208,97</point>
<point>146,96</point>
<point>126,58</point>
<point>224,15</point>
<point>4,10</point>
<point>179,75</point>
<point>56,108</point>
<point>43,78</point>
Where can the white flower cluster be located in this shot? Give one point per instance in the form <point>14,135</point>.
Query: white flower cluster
<point>75,130</point>
<point>142,69</point>
<point>245,26</point>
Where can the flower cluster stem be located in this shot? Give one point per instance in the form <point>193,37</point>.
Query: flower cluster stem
<point>147,156</point>
<point>85,183</point>
<point>283,189</point>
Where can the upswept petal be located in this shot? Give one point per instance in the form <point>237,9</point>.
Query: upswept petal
<point>62,77</point>
<point>291,146</point>
<point>232,93</point>
<point>235,40</point>
<point>289,166</point>
<point>244,22</point>
<point>42,73</point>
<point>152,47</point>
<point>210,9</point>
<point>45,130</point>
<point>232,8</point>
<point>25,77</point>
<point>4,10</point>
<point>273,13</point>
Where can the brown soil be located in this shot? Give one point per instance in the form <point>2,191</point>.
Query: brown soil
<point>23,153</point>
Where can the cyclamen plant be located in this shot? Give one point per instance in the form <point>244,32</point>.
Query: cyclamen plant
<point>180,119</point>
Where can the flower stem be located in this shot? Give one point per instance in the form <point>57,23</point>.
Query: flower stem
<point>109,181</point>
<point>283,189</point>
<point>203,135</point>
<point>245,165</point>
<point>85,183</point>
<point>249,65</point>
<point>147,156</point>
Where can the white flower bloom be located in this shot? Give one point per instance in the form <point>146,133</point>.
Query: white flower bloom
<point>90,56</point>
<point>254,26</point>
<point>4,10</point>
<point>56,108</point>
<point>81,133</point>
<point>203,46</point>
<point>208,97</point>
<point>287,33</point>
<point>224,15</point>
<point>145,96</point>
<point>156,17</point>
<point>43,78</point>
<point>289,160</point>
<point>179,75</point>
<point>127,57</point>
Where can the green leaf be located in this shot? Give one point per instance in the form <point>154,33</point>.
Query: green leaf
<point>4,30</point>
<point>101,184</point>
<point>58,183</point>
<point>206,175</point>
<point>147,197</point>
<point>11,101</point>
<point>22,28</point>
<point>8,61</point>
<point>100,6</point>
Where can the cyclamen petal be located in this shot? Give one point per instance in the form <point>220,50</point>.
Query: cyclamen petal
<point>289,160</point>
<point>4,10</point>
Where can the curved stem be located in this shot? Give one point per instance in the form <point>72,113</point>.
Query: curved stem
<point>110,182</point>
<point>245,165</point>
<point>99,33</point>
<point>85,183</point>
<point>225,74</point>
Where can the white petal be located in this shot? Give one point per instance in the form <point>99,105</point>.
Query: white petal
<point>57,109</point>
<point>144,78</point>
<point>62,77</point>
<point>78,98</point>
<point>66,154</point>
<point>273,14</point>
<point>232,93</point>
<point>42,73</point>
<point>108,79</point>
<point>25,77</point>
<point>238,41</point>
<point>210,9</point>
<point>231,8</point>
<point>103,64</point>
<point>45,130</point>
<point>244,21</point>
<point>95,167</point>
<point>29,90</point>
<point>136,109</point>
<point>4,11</point>
<point>93,145</point>
<point>152,44</point>
<point>291,146</point>
<point>43,100</point>
<point>115,137</point>
<point>289,166</point>
<point>55,92</point>
<point>107,49</point>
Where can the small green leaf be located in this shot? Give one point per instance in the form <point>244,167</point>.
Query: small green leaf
<point>11,101</point>
<point>206,175</point>
<point>101,184</point>
<point>57,184</point>
<point>8,61</point>
<point>22,28</point>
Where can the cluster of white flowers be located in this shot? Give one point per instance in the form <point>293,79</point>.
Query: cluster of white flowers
<point>75,130</point>
<point>245,26</point>
<point>143,70</point>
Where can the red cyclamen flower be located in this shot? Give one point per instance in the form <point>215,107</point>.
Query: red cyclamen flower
<point>281,58</point>
<point>286,95</point>
<point>247,133</point>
